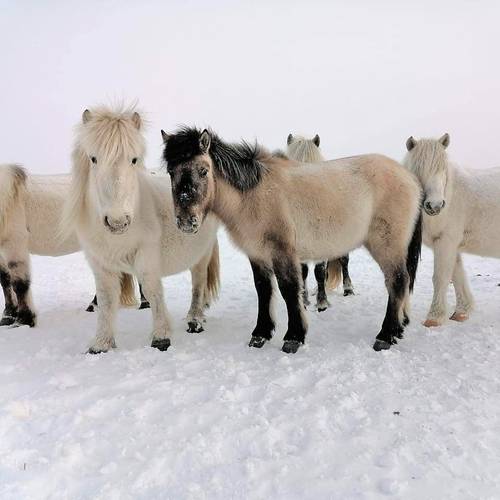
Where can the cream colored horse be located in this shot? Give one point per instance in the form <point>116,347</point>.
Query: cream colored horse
<point>30,211</point>
<point>125,221</point>
<point>461,215</point>
<point>281,213</point>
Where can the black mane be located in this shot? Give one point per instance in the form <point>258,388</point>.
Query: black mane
<point>238,164</point>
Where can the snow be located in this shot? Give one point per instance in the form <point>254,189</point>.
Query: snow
<point>211,418</point>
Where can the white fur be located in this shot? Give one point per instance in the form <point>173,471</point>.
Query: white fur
<point>468,223</point>
<point>151,246</point>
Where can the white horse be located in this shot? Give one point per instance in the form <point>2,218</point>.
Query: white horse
<point>125,221</point>
<point>461,215</point>
<point>327,273</point>
<point>30,211</point>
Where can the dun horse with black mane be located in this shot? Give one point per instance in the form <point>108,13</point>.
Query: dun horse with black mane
<point>280,216</point>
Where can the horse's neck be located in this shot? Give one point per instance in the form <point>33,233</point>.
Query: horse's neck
<point>226,202</point>
<point>450,185</point>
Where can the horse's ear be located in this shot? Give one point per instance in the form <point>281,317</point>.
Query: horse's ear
<point>86,116</point>
<point>205,141</point>
<point>136,120</point>
<point>164,136</point>
<point>289,139</point>
<point>316,140</point>
<point>410,143</point>
<point>445,140</point>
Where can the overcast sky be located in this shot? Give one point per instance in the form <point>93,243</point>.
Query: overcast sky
<point>362,74</point>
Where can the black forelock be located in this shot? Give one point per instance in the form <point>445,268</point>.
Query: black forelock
<point>238,164</point>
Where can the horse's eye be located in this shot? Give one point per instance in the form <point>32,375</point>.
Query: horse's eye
<point>203,172</point>
<point>134,161</point>
<point>93,159</point>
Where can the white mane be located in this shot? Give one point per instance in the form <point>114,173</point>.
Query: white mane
<point>109,135</point>
<point>426,159</point>
<point>304,150</point>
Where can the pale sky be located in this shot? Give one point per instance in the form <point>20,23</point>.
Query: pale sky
<point>364,75</point>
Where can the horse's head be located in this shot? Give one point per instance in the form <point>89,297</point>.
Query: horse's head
<point>111,146</point>
<point>301,149</point>
<point>427,159</point>
<point>191,172</point>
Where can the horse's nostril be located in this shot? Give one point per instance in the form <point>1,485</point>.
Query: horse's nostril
<point>127,220</point>
<point>428,205</point>
<point>444,204</point>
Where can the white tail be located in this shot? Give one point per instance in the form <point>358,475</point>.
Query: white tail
<point>12,190</point>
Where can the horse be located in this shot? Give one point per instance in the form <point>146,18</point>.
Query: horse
<point>124,219</point>
<point>30,210</point>
<point>280,216</point>
<point>461,215</point>
<point>327,273</point>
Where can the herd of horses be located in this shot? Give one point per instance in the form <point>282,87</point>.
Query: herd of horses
<point>282,209</point>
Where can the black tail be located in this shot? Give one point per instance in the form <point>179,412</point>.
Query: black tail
<point>414,250</point>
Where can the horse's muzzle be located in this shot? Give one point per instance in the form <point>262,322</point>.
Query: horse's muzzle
<point>433,208</point>
<point>117,226</point>
<point>189,225</point>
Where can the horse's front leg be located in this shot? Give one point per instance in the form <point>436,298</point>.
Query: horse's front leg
<point>153,292</point>
<point>286,269</point>
<point>262,277</point>
<point>305,294</point>
<point>108,293</point>
<point>10,311</point>
<point>196,316</point>
<point>465,300</point>
<point>445,255</point>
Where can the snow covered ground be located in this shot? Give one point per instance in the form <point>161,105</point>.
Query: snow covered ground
<point>212,418</point>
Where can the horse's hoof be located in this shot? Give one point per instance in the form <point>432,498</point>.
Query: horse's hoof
<point>145,305</point>
<point>257,342</point>
<point>406,320</point>
<point>291,346</point>
<point>7,321</point>
<point>460,317</point>
<point>431,323</point>
<point>90,308</point>
<point>26,318</point>
<point>381,345</point>
<point>194,327</point>
<point>348,292</point>
<point>399,334</point>
<point>161,344</point>
<point>94,350</point>
<point>322,308</point>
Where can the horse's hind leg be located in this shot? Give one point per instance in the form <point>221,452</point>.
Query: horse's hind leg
<point>19,271</point>
<point>263,331</point>
<point>305,271</point>
<point>10,311</point>
<point>287,274</point>
<point>322,303</point>
<point>346,279</point>
<point>144,302</point>
<point>465,301</point>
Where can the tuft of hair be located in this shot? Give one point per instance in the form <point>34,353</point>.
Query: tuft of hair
<point>241,165</point>
<point>334,274</point>
<point>304,150</point>
<point>427,157</point>
<point>213,276</point>
<point>127,290</point>
<point>109,133</point>
<point>279,153</point>
<point>12,190</point>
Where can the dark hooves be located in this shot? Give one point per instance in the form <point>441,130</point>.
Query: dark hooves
<point>257,342</point>
<point>145,305</point>
<point>406,321</point>
<point>7,321</point>
<point>195,327</point>
<point>321,309</point>
<point>90,308</point>
<point>291,346</point>
<point>381,345</point>
<point>96,351</point>
<point>348,292</point>
<point>161,344</point>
